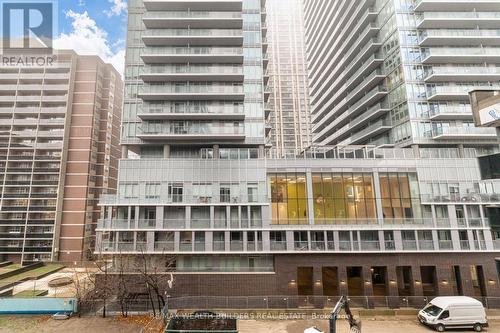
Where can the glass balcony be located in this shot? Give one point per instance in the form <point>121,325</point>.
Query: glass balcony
<point>208,130</point>
<point>443,133</point>
<point>409,245</point>
<point>459,37</point>
<point>457,74</point>
<point>460,55</point>
<point>473,19</point>
<point>445,245</point>
<point>192,19</point>
<point>426,245</point>
<point>278,246</point>
<point>164,246</point>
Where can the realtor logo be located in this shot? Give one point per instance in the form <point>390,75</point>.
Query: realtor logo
<point>28,26</point>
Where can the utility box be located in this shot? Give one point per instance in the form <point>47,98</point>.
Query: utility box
<point>201,325</point>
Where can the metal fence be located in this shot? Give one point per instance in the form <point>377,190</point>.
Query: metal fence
<point>256,303</point>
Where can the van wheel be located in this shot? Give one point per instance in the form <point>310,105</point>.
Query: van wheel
<point>440,328</point>
<point>478,327</point>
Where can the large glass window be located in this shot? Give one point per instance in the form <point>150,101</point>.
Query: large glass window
<point>289,198</point>
<point>399,198</point>
<point>343,196</point>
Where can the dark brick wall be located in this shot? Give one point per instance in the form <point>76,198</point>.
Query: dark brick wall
<point>279,283</point>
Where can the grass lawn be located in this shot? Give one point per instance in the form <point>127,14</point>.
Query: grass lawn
<point>31,293</point>
<point>31,274</point>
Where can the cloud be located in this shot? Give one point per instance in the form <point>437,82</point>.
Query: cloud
<point>87,38</point>
<point>118,8</point>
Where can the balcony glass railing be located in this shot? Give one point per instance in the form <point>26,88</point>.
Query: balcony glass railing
<point>190,14</point>
<point>192,50</point>
<point>193,69</point>
<point>192,89</point>
<point>193,33</point>
<point>198,109</point>
<point>205,129</point>
<point>459,33</point>
<point>458,131</point>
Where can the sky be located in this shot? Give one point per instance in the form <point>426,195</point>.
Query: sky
<point>94,27</point>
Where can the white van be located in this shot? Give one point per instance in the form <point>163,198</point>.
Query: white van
<point>454,312</point>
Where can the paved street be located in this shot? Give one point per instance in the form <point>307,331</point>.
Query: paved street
<point>43,324</point>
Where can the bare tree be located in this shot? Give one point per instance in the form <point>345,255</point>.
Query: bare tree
<point>156,283</point>
<point>123,294</point>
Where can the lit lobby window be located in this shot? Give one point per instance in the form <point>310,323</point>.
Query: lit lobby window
<point>289,198</point>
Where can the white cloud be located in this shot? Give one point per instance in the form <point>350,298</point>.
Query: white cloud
<point>87,38</point>
<point>118,8</point>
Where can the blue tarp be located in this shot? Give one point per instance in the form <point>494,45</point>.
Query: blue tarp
<point>38,305</point>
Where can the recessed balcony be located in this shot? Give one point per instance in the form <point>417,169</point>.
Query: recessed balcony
<point>193,133</point>
<point>459,20</point>
<point>447,133</point>
<point>463,74</point>
<point>193,37</point>
<point>193,92</point>
<point>457,5</point>
<point>459,37</point>
<point>178,5</point>
<point>192,55</point>
<point>208,112</point>
<point>192,73</point>
<point>461,55</point>
<point>192,19</point>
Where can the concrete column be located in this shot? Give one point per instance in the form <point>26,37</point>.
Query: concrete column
<point>416,150</point>
<point>166,151</point>
<point>488,238</point>
<point>136,221</point>
<point>150,238</point>
<point>124,151</point>
<point>227,241</point>
<point>266,242</point>
<point>177,241</point>
<point>289,240</point>
<point>188,217</point>
<point>336,241</point>
<point>452,214</point>
<point>398,240</point>
<point>159,217</point>
<point>216,151</point>
<point>461,150</point>
<point>245,240</point>
<point>435,239</point>
<point>381,240</point>
<point>455,239</point>
<point>209,241</point>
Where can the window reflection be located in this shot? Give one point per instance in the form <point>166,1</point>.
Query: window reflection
<point>342,197</point>
<point>289,199</point>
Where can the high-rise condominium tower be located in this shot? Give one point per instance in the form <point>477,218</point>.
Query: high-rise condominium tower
<point>288,82</point>
<point>198,197</point>
<point>59,136</point>
<point>398,73</point>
